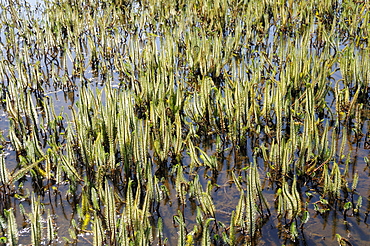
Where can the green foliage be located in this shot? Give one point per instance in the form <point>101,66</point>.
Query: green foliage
<point>165,103</point>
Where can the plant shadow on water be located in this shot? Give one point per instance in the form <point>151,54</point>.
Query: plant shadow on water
<point>184,122</point>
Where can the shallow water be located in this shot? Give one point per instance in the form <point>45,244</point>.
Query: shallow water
<point>64,203</point>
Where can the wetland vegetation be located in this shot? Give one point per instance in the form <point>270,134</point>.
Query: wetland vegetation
<point>213,122</point>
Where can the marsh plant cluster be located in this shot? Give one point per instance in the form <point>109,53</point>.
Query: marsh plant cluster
<point>212,122</point>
